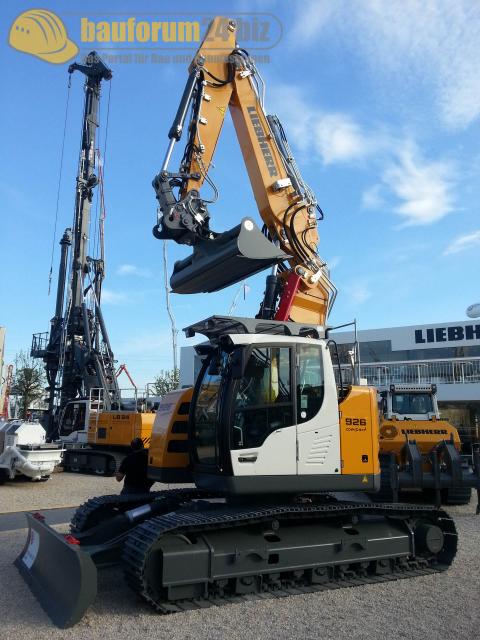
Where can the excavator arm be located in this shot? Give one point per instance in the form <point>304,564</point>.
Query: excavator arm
<point>222,76</point>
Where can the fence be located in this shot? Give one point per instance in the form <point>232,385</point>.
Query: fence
<point>436,371</point>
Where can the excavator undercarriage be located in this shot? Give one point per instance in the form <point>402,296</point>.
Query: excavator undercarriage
<point>186,549</point>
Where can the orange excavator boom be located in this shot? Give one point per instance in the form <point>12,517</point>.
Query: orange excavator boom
<point>222,76</point>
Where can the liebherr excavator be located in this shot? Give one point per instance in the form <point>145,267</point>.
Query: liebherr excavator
<point>266,435</point>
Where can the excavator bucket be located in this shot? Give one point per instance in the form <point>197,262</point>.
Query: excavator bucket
<point>62,577</point>
<point>231,257</point>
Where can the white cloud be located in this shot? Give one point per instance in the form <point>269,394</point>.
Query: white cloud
<point>311,19</point>
<point>358,292</point>
<point>435,43</point>
<point>113,297</point>
<point>423,188</point>
<point>331,136</point>
<point>463,243</point>
<point>334,262</point>
<point>338,138</point>
<point>372,197</point>
<point>133,270</point>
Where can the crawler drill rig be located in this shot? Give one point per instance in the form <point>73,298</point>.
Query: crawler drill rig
<point>77,352</point>
<point>83,393</point>
<point>266,435</point>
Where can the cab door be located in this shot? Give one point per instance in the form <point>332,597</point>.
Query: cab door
<point>262,421</point>
<point>206,420</point>
<point>318,427</point>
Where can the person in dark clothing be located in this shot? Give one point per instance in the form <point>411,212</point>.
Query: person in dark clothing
<point>133,469</point>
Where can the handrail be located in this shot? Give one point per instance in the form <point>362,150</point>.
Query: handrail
<point>455,371</point>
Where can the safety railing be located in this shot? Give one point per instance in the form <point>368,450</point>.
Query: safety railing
<point>128,399</point>
<point>435,371</point>
<point>39,345</point>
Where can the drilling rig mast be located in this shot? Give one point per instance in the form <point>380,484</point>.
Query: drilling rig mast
<point>77,353</point>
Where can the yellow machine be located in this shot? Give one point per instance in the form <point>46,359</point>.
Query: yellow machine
<point>170,435</point>
<point>108,436</point>
<point>413,433</point>
<point>118,428</point>
<point>411,411</point>
<point>348,449</point>
<point>271,441</point>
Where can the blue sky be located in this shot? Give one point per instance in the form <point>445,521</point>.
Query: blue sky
<point>381,104</point>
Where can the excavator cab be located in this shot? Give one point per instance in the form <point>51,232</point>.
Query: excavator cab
<point>264,415</point>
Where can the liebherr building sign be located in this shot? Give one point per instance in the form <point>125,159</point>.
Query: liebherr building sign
<point>427,336</point>
<point>455,333</point>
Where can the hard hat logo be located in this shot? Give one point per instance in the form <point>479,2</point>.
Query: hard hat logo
<point>42,34</point>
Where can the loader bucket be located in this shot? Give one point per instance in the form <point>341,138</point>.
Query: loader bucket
<point>232,256</point>
<point>62,577</point>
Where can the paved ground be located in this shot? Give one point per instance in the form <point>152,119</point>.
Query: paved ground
<point>62,490</point>
<point>16,520</point>
<point>439,606</point>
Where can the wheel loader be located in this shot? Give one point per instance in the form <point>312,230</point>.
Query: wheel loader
<point>415,442</point>
<point>270,446</point>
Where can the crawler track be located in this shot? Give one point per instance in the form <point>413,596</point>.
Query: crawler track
<point>93,462</point>
<point>143,541</point>
<point>97,510</point>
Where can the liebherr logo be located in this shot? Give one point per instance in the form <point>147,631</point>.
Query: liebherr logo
<point>448,334</point>
<point>262,141</point>
<point>425,432</point>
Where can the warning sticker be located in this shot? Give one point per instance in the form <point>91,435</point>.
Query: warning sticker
<point>32,550</point>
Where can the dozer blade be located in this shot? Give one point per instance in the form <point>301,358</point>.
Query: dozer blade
<point>62,577</point>
<point>232,256</point>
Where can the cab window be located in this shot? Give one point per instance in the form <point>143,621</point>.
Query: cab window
<point>74,417</point>
<point>262,401</point>
<point>406,403</point>
<point>205,418</point>
<point>310,383</point>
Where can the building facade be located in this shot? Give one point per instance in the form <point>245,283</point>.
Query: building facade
<point>447,354</point>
